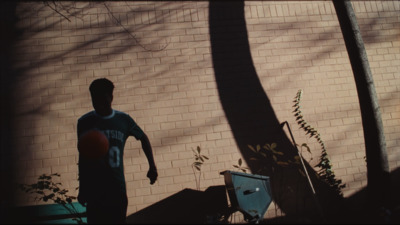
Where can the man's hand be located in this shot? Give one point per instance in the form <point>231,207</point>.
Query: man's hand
<point>152,175</point>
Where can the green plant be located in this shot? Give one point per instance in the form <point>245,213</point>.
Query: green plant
<point>46,189</point>
<point>325,171</point>
<point>270,149</point>
<point>199,160</point>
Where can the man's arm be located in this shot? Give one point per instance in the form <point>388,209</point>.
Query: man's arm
<point>146,146</point>
<point>82,195</point>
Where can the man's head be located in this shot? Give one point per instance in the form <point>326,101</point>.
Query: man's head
<point>101,91</point>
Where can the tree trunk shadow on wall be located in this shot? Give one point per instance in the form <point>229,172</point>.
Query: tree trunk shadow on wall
<point>252,118</point>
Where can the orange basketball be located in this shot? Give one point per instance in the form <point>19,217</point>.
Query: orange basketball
<point>93,144</point>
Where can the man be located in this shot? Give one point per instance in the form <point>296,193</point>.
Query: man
<point>102,187</point>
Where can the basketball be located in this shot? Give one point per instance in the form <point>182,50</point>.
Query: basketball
<point>93,144</point>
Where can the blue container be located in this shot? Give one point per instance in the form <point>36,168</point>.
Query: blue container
<point>249,193</point>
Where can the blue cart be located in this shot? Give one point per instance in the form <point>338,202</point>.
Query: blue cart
<point>248,193</point>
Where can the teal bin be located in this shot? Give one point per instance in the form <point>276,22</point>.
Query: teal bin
<point>48,214</point>
<point>248,193</point>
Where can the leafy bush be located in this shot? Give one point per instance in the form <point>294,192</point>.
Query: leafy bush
<point>46,189</point>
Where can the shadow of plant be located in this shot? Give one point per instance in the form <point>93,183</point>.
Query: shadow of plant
<point>325,172</point>
<point>199,159</point>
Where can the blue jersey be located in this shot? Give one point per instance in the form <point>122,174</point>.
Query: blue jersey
<point>103,179</point>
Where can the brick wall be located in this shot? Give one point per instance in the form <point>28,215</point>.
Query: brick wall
<point>158,54</point>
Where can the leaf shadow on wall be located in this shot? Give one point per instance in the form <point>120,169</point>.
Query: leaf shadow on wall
<point>251,115</point>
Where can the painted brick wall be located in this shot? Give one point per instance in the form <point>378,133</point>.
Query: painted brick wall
<point>158,54</point>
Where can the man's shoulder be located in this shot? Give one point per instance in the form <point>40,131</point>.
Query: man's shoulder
<point>120,113</point>
<point>86,115</point>
<point>123,116</point>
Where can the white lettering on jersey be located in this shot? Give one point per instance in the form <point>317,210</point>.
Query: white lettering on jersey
<point>114,134</point>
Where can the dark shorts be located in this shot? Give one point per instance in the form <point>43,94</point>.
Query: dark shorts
<point>107,213</point>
